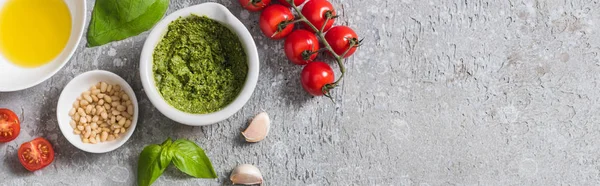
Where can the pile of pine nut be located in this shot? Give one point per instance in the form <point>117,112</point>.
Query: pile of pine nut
<point>103,113</point>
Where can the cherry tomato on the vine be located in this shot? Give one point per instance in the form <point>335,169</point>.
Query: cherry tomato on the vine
<point>36,154</point>
<point>301,47</point>
<point>276,21</point>
<point>254,5</point>
<point>340,38</point>
<point>316,11</point>
<point>9,125</point>
<point>314,76</point>
<point>296,2</point>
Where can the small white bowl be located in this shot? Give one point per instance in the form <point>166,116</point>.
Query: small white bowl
<point>13,78</point>
<point>218,13</point>
<point>80,84</point>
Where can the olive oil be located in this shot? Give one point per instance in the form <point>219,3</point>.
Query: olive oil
<point>33,32</point>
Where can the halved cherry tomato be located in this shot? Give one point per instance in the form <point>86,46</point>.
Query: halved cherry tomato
<point>37,154</point>
<point>9,125</point>
<point>340,38</point>
<point>314,76</point>
<point>296,2</point>
<point>276,21</point>
<point>254,5</point>
<point>301,47</point>
<point>316,12</point>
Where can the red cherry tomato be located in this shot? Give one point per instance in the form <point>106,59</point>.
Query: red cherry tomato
<point>301,47</point>
<point>36,154</point>
<point>296,2</point>
<point>254,5</point>
<point>316,12</point>
<point>340,38</point>
<point>275,21</point>
<point>9,125</point>
<point>314,76</point>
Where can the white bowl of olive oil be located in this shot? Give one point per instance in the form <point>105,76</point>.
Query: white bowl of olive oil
<point>37,38</point>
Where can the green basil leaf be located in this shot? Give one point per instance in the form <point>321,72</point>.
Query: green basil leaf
<point>165,154</point>
<point>191,159</point>
<point>149,168</point>
<point>114,20</point>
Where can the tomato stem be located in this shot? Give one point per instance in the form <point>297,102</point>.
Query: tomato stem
<point>339,59</point>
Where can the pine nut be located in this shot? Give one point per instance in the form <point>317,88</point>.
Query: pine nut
<point>83,103</point>
<point>122,121</point>
<point>72,111</point>
<point>88,98</point>
<point>93,141</point>
<point>98,138</point>
<point>88,118</point>
<point>101,96</point>
<point>85,140</point>
<point>80,127</point>
<point>81,112</point>
<point>121,108</point>
<point>109,88</point>
<point>116,112</point>
<point>76,117</point>
<point>95,98</point>
<point>95,92</point>
<point>127,123</point>
<point>86,93</point>
<point>124,97</point>
<point>73,123</point>
<point>76,104</point>
<point>88,109</point>
<point>104,126</point>
<point>94,125</point>
<point>111,137</point>
<point>103,87</point>
<point>104,136</point>
<point>82,120</point>
<point>117,88</point>
<point>122,130</point>
<point>130,109</point>
<point>108,99</point>
<point>76,132</point>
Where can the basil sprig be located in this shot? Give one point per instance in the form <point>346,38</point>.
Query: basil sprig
<point>114,20</point>
<point>185,155</point>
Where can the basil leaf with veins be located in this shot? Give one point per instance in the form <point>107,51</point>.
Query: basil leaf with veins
<point>114,20</point>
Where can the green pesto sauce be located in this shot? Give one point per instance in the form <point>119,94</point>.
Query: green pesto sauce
<point>199,65</point>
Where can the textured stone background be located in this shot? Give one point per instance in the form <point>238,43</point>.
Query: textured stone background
<point>443,92</point>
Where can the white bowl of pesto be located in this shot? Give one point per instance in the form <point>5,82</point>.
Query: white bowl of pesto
<point>199,65</point>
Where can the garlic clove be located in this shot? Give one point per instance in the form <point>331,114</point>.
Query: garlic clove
<point>246,174</point>
<point>258,128</point>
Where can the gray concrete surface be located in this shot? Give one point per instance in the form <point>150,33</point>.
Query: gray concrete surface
<point>443,92</point>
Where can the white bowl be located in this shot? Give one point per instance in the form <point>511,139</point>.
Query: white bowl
<point>218,13</point>
<point>13,78</point>
<point>80,84</point>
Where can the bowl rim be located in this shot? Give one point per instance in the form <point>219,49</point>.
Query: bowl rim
<point>79,34</point>
<point>235,25</point>
<point>66,129</point>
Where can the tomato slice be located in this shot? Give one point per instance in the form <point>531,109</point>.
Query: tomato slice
<point>9,125</point>
<point>36,154</point>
